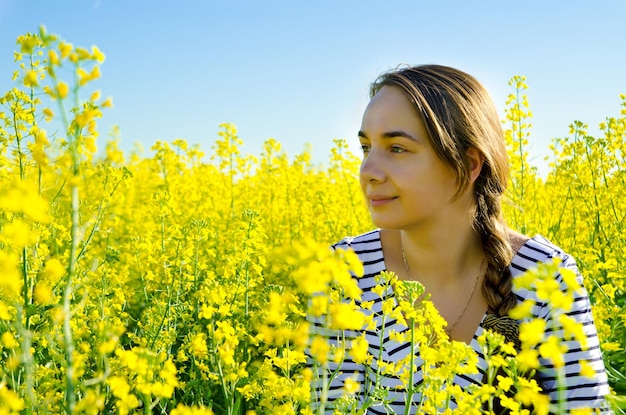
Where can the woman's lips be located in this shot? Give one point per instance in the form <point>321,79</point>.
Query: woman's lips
<point>376,200</point>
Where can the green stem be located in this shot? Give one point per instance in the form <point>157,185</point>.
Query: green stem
<point>324,397</point>
<point>170,291</point>
<point>70,397</point>
<point>409,392</point>
<point>562,398</point>
<point>73,134</point>
<point>27,361</point>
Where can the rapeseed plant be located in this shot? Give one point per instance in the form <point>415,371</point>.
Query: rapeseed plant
<point>167,284</point>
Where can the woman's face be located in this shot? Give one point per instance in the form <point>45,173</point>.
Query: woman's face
<point>404,182</point>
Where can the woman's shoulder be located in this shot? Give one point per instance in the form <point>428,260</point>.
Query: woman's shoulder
<point>368,248</point>
<point>364,241</point>
<point>539,249</point>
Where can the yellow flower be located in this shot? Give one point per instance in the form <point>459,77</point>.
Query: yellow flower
<point>359,350</point>
<point>388,306</point>
<point>574,329</point>
<point>528,359</point>
<point>319,305</point>
<point>28,43</point>
<point>522,310</point>
<point>42,293</point>
<point>198,346</point>
<point>62,90</point>
<point>581,411</point>
<point>320,349</point>
<point>379,290</point>
<point>82,53</point>
<point>504,383</point>
<point>14,362</point>
<point>612,346</point>
<point>25,198</point>
<point>53,57</point>
<point>531,333</point>
<point>338,351</point>
<point>312,280</point>
<point>207,311</point>
<point>54,270</point>
<point>553,349</point>
<point>367,305</point>
<point>224,310</point>
<point>350,386</point>
<point>508,348</point>
<point>586,369</point>
<point>97,54</point>
<point>546,288</point>
<point>485,392</point>
<point>108,346</point>
<point>91,404</point>
<point>108,103</point>
<point>11,282</point>
<point>41,138</point>
<point>10,400</point>
<point>276,309</point>
<point>344,316</point>
<point>560,300</point>
<point>571,279</point>
<point>114,154</point>
<point>193,410</point>
<point>95,73</point>
<point>526,280</point>
<point>18,233</point>
<point>90,144</point>
<point>497,360</point>
<point>168,376</point>
<point>530,396</point>
<point>4,312</point>
<point>48,113</point>
<point>8,340</point>
<point>509,403</point>
<point>65,49</point>
<point>30,79</point>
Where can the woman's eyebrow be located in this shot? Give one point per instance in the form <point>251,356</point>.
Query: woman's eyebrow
<point>399,133</point>
<point>392,134</point>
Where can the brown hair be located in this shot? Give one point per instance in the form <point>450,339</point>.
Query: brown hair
<point>459,114</point>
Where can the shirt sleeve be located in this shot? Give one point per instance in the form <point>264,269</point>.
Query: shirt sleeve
<point>566,381</point>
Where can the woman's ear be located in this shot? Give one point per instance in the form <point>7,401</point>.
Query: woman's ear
<point>476,161</point>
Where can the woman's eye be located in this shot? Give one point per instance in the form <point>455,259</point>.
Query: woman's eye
<point>397,149</point>
<point>365,148</point>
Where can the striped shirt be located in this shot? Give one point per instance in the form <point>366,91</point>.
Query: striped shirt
<point>580,391</point>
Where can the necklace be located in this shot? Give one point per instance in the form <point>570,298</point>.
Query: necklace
<point>458,318</point>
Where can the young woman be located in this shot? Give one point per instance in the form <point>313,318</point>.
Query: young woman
<point>434,170</point>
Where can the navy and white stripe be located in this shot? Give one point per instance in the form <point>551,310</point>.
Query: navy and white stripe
<point>580,391</point>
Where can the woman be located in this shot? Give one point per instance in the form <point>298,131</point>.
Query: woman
<point>434,170</point>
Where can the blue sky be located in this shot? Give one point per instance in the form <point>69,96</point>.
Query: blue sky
<point>299,71</point>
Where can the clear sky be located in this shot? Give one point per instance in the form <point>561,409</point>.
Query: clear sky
<point>299,71</point>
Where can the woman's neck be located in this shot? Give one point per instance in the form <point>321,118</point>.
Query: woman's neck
<point>441,257</point>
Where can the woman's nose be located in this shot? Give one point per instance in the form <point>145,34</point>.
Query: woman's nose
<point>372,167</point>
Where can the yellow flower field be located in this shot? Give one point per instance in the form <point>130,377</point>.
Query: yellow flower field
<point>185,282</point>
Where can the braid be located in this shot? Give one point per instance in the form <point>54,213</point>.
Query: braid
<point>497,285</point>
